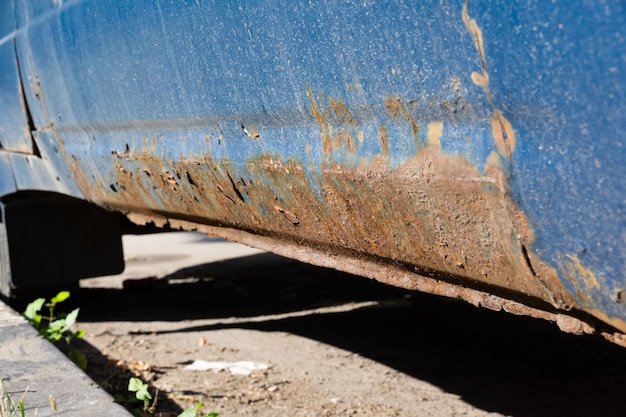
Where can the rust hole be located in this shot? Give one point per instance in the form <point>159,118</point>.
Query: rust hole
<point>235,189</point>
<point>288,215</point>
<point>527,259</point>
<point>190,180</point>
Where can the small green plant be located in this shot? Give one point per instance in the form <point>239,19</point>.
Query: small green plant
<point>140,389</point>
<point>56,328</point>
<point>193,411</point>
<point>7,408</point>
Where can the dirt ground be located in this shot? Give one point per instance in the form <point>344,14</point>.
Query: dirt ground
<point>334,344</point>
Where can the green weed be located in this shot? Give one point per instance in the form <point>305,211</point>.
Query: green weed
<point>193,411</point>
<point>56,328</point>
<point>140,389</point>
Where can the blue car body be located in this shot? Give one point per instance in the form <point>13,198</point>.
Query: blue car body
<point>473,150</point>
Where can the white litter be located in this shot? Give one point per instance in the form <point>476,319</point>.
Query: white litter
<point>235,368</point>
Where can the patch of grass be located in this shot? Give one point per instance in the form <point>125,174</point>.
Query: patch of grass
<point>7,408</point>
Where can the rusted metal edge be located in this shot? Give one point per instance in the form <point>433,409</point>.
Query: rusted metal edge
<point>390,274</point>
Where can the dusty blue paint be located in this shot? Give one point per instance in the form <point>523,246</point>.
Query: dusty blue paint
<point>114,74</point>
<point>13,117</point>
<point>14,127</point>
<point>559,75</point>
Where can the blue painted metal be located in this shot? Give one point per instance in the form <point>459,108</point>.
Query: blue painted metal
<point>526,100</point>
<point>14,129</point>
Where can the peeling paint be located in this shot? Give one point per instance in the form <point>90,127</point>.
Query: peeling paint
<point>502,130</point>
<point>503,134</point>
<point>435,131</point>
<point>251,131</point>
<point>482,80</point>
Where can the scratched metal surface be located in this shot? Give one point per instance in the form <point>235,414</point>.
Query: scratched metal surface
<point>471,150</point>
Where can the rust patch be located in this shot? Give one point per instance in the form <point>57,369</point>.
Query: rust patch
<point>384,142</point>
<point>583,277</point>
<point>456,85</point>
<point>435,214</point>
<point>389,273</point>
<point>569,324</point>
<point>617,338</point>
<point>434,224</point>
<point>398,110</point>
<point>341,112</point>
<point>293,219</point>
<point>321,118</point>
<point>394,106</point>
<point>347,139</point>
<point>37,88</point>
<point>588,288</point>
<point>337,125</point>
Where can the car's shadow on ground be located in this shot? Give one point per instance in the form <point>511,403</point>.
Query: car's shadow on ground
<point>497,362</point>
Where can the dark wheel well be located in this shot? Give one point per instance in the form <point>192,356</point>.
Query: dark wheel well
<point>50,241</point>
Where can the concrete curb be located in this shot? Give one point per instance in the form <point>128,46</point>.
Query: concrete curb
<point>29,363</point>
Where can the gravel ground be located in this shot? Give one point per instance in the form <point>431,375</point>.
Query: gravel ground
<point>334,344</point>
